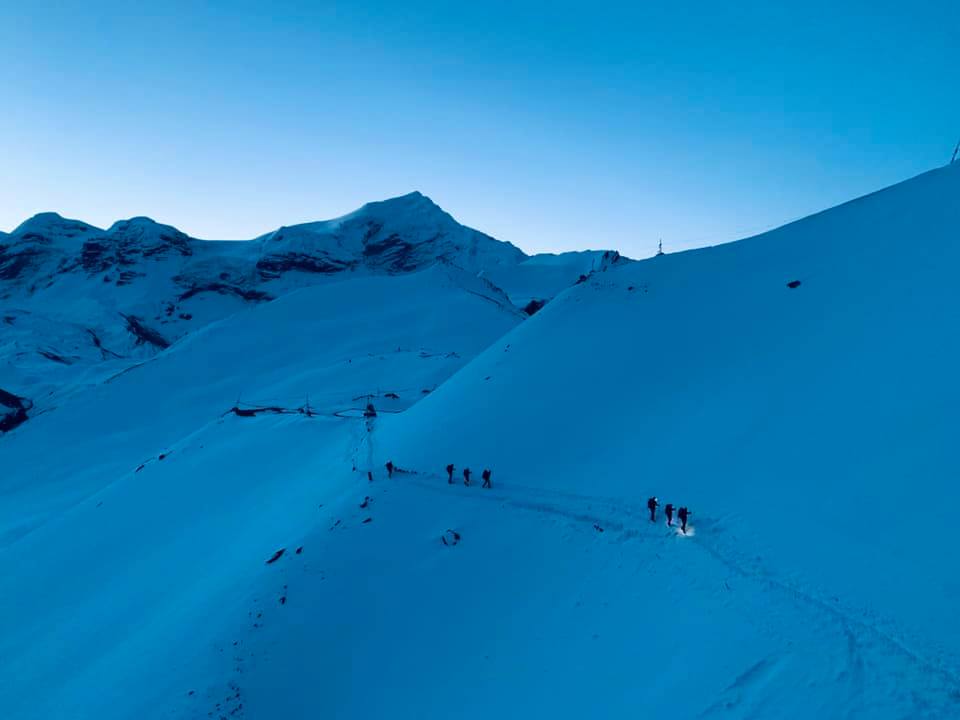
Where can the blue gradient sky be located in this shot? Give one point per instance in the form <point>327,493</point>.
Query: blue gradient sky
<point>553,125</point>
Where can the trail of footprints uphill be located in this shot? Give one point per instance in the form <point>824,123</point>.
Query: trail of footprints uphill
<point>632,522</point>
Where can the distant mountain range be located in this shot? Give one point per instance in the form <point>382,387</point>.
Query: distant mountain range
<point>73,294</point>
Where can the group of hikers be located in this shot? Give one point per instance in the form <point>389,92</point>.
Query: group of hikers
<point>652,504</point>
<point>467,473</point>
<point>682,514</point>
<point>485,475</point>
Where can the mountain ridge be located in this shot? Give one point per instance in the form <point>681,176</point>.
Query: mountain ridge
<point>78,296</point>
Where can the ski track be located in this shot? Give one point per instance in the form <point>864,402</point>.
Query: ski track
<point>743,686</point>
<point>629,521</point>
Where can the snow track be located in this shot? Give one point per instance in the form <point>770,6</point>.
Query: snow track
<point>864,635</point>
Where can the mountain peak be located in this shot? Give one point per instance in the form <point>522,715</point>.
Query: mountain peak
<point>53,225</point>
<point>139,222</point>
<point>413,205</point>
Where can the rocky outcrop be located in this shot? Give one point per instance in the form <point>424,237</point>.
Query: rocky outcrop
<point>13,411</point>
<point>145,335</point>
<point>272,267</point>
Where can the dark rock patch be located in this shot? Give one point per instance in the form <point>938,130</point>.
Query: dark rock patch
<point>373,227</point>
<point>128,276</point>
<point>393,252</point>
<point>13,262</point>
<point>272,267</point>
<point>54,357</point>
<point>224,289</point>
<point>99,345</point>
<point>178,243</point>
<point>534,306</point>
<point>16,413</point>
<point>96,256</point>
<point>254,411</point>
<point>145,335</point>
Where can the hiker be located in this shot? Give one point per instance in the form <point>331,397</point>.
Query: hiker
<point>652,507</point>
<point>669,510</point>
<point>370,475</point>
<point>450,474</point>
<point>466,477</point>
<point>389,468</point>
<point>683,514</point>
<point>486,479</point>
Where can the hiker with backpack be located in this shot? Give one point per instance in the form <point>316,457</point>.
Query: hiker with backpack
<point>466,477</point>
<point>450,474</point>
<point>683,514</point>
<point>486,479</point>
<point>652,507</point>
<point>389,468</point>
<point>669,510</point>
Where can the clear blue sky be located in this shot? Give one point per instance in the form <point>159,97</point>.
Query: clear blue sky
<point>554,125</point>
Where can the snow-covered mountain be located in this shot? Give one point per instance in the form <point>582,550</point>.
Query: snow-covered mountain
<point>794,390</point>
<point>79,304</point>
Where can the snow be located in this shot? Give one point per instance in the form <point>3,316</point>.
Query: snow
<point>809,430</point>
<point>543,276</point>
<point>68,286</point>
<point>52,225</point>
<point>416,330</point>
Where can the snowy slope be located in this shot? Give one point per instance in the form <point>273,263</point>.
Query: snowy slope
<point>541,277</point>
<point>330,345</point>
<point>808,429</point>
<point>130,532</point>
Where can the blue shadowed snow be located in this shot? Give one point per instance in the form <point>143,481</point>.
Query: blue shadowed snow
<point>808,429</point>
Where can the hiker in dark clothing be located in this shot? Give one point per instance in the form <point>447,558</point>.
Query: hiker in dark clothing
<point>669,510</point>
<point>370,475</point>
<point>486,479</point>
<point>466,477</point>
<point>450,474</point>
<point>389,468</point>
<point>652,507</point>
<point>683,514</point>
